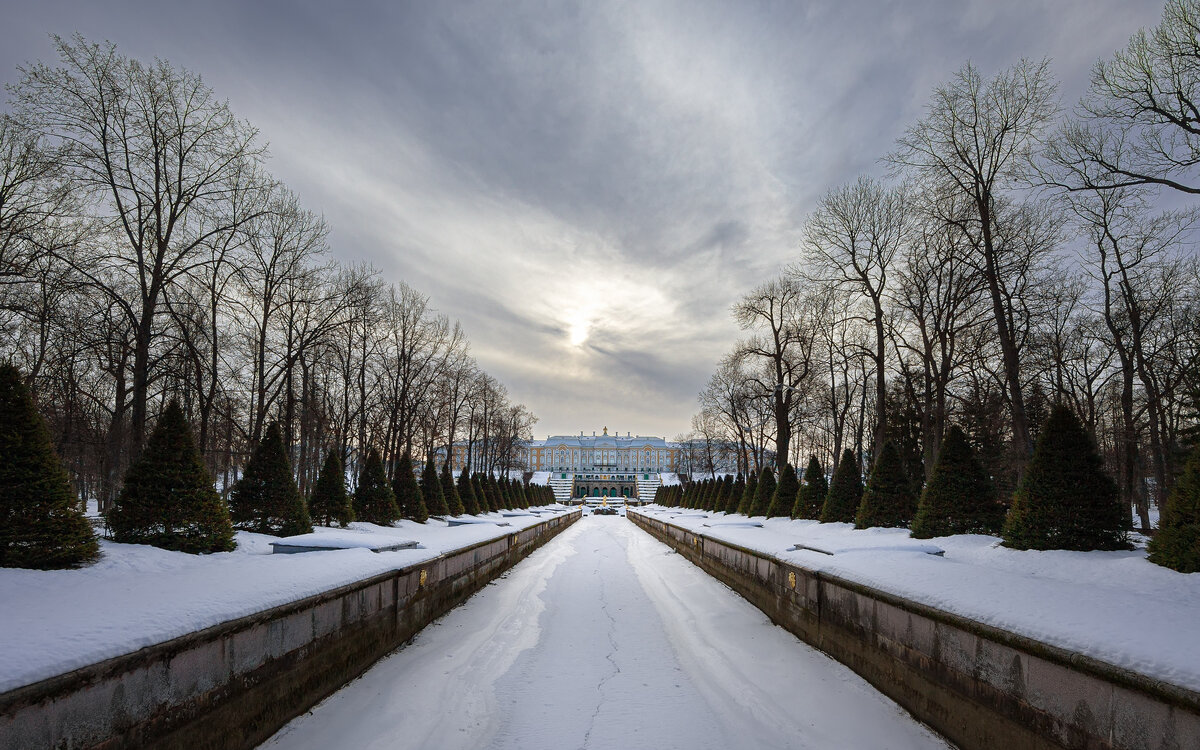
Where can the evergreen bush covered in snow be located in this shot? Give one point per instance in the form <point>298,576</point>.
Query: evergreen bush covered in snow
<point>1065,500</point>
<point>888,500</point>
<point>959,497</point>
<point>266,499</point>
<point>373,498</point>
<point>41,524</point>
<point>811,495</point>
<point>784,497</point>
<point>329,502</point>
<point>845,491</point>
<point>1177,543</point>
<point>168,499</point>
<point>409,500</point>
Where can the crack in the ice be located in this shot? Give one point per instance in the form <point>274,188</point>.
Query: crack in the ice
<point>612,642</point>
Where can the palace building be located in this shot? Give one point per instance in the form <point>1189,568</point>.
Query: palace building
<point>603,465</point>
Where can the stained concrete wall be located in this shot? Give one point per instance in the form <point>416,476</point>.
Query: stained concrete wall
<point>234,684</point>
<point>980,686</point>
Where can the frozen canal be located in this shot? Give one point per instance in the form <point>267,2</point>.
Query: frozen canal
<point>604,638</point>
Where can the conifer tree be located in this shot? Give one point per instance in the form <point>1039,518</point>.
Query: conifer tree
<point>466,491</point>
<point>959,497</point>
<point>41,525</point>
<point>431,490</point>
<point>409,500</point>
<point>763,493</point>
<point>786,492</point>
<point>330,503</point>
<point>811,495</point>
<point>480,487</point>
<point>450,492</point>
<point>373,498</point>
<point>728,491</point>
<point>1065,500</point>
<point>888,500</point>
<point>1177,543</point>
<point>497,490</point>
<point>492,488</point>
<point>746,504</point>
<point>168,499</point>
<point>735,494</point>
<point>266,499</point>
<point>718,498</point>
<point>845,491</point>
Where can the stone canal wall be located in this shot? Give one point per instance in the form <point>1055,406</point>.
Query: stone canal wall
<point>980,686</point>
<point>236,683</point>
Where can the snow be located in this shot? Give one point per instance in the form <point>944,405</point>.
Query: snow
<point>1116,607</point>
<point>55,621</point>
<point>540,477</point>
<point>322,537</point>
<point>604,638</point>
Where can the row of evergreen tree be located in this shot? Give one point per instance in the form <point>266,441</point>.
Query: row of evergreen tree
<point>169,500</point>
<point>1064,501</point>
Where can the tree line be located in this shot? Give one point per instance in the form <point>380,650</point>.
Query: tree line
<point>148,256</point>
<point>1014,257</point>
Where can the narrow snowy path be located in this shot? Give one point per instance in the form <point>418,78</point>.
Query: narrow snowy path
<point>604,638</point>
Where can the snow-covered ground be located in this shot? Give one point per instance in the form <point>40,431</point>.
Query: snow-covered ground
<point>1114,606</point>
<point>604,638</point>
<point>54,621</point>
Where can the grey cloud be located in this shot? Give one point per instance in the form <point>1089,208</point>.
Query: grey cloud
<point>519,161</point>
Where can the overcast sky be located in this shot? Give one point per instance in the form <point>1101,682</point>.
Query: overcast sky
<point>586,186</point>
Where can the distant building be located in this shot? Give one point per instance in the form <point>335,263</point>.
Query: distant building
<point>603,465</point>
<point>597,466</point>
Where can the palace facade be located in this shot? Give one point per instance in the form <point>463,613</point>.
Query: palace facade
<point>602,454</point>
<point>600,465</point>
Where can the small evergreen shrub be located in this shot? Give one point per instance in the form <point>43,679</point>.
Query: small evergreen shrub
<point>266,499</point>
<point>168,499</point>
<point>373,498</point>
<point>746,504</point>
<point>409,500</point>
<point>450,492</point>
<point>41,525</point>
<point>811,495</point>
<point>785,493</point>
<point>329,502</point>
<point>1177,543</point>
<point>466,491</point>
<point>959,498</point>
<point>845,491</point>
<point>431,490</point>
<point>888,500</point>
<point>1065,500</point>
<point>763,492</point>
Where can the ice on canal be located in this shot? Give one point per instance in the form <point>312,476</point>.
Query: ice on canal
<point>605,638</point>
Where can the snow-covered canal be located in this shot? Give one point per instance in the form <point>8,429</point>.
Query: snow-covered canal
<point>605,638</point>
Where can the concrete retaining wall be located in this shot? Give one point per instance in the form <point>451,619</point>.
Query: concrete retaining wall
<point>235,684</point>
<point>980,686</point>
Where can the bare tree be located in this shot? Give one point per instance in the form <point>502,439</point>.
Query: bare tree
<point>851,242</point>
<point>976,141</point>
<point>783,343</point>
<point>155,154</point>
